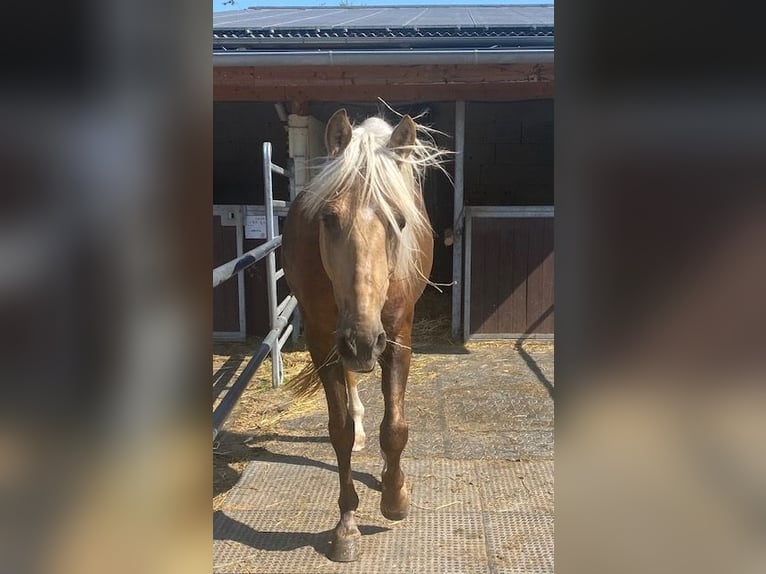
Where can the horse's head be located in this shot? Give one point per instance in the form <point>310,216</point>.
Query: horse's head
<point>360,238</point>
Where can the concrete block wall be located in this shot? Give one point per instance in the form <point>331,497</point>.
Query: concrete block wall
<point>240,128</point>
<point>509,153</point>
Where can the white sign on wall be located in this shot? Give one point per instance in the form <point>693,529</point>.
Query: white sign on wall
<point>255,227</point>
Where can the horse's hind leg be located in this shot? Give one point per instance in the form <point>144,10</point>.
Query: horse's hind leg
<point>395,363</point>
<point>345,538</point>
<point>356,410</point>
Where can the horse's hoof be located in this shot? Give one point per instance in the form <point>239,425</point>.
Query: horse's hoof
<point>395,514</point>
<point>344,549</point>
<point>359,442</point>
<point>396,506</point>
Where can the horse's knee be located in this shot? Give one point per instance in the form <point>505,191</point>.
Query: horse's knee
<point>393,434</point>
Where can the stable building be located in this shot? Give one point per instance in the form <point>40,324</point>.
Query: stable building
<point>481,75</point>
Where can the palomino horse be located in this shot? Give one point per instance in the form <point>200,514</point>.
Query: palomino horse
<point>357,251</point>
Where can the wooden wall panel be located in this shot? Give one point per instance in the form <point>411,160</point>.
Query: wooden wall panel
<point>511,276</point>
<point>225,296</point>
<point>548,280</point>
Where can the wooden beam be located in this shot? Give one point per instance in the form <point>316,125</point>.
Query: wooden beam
<point>316,76</point>
<point>496,91</point>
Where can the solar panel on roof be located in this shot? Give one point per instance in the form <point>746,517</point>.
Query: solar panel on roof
<point>382,17</point>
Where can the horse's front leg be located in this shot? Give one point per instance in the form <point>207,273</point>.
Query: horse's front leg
<point>345,538</point>
<point>355,410</point>
<point>395,364</point>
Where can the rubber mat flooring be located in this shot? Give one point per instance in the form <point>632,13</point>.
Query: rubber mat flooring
<point>479,465</point>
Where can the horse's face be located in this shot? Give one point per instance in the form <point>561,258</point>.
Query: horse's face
<point>355,254</point>
<point>358,249</point>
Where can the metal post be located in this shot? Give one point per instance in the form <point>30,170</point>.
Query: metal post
<point>271,262</point>
<point>467,278</point>
<point>240,231</point>
<point>457,221</point>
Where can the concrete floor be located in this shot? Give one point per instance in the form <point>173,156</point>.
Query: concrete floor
<point>479,464</point>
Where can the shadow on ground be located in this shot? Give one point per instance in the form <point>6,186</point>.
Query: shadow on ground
<point>226,528</point>
<point>232,452</point>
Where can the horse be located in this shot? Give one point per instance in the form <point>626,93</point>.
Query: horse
<point>357,250</point>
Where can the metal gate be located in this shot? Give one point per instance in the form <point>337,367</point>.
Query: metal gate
<point>280,312</point>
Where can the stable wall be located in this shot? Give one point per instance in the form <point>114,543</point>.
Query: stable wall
<point>239,130</point>
<point>508,162</point>
<point>509,153</point>
<point>508,196</point>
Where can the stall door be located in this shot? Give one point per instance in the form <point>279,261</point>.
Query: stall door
<point>509,273</point>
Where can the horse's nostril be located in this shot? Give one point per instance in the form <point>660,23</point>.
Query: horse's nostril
<point>380,343</point>
<point>347,346</point>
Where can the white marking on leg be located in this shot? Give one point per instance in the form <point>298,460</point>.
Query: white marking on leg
<point>356,410</point>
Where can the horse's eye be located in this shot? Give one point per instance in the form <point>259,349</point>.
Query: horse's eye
<point>330,220</point>
<point>400,221</point>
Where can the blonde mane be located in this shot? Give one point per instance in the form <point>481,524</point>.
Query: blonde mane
<point>380,177</point>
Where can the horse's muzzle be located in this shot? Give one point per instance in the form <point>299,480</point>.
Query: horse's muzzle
<point>360,350</point>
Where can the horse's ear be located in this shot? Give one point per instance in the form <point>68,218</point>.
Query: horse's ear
<point>338,133</point>
<point>404,136</point>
